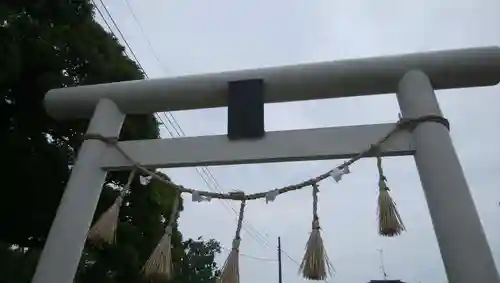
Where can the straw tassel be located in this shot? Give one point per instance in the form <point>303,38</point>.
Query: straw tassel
<point>315,263</point>
<point>390,223</point>
<point>104,229</point>
<point>231,271</point>
<point>159,265</point>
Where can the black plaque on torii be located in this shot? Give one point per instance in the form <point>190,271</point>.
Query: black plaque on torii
<point>245,109</point>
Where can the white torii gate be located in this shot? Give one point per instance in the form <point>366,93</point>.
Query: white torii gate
<point>464,249</point>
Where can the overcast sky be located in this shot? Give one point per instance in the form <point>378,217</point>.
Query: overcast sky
<point>210,36</point>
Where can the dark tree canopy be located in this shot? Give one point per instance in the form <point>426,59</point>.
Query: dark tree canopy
<point>48,44</point>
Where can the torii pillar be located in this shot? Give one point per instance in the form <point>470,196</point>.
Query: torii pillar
<point>462,242</point>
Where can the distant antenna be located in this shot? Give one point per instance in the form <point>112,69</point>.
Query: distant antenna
<point>382,267</point>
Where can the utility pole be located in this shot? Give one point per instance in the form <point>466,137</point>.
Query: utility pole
<point>280,274</point>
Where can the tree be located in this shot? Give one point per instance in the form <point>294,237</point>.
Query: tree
<point>197,264</point>
<point>49,44</point>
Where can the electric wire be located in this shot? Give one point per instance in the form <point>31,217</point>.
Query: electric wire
<point>203,172</point>
<point>254,233</point>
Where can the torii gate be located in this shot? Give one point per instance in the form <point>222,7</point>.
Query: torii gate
<point>463,245</point>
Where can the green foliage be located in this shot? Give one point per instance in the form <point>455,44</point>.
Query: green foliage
<point>48,44</point>
<point>198,264</point>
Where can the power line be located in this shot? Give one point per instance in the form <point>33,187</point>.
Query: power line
<point>146,37</point>
<point>203,172</point>
<point>253,257</point>
<point>104,20</point>
<point>177,129</point>
<point>382,266</point>
<point>259,258</point>
<point>119,31</point>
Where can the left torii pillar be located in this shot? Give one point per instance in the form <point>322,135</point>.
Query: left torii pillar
<point>62,251</point>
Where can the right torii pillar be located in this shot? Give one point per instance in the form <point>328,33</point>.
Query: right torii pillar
<point>466,255</point>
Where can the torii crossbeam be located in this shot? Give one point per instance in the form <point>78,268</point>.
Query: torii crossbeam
<point>463,245</point>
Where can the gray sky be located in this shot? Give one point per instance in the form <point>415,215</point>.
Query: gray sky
<point>210,36</point>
